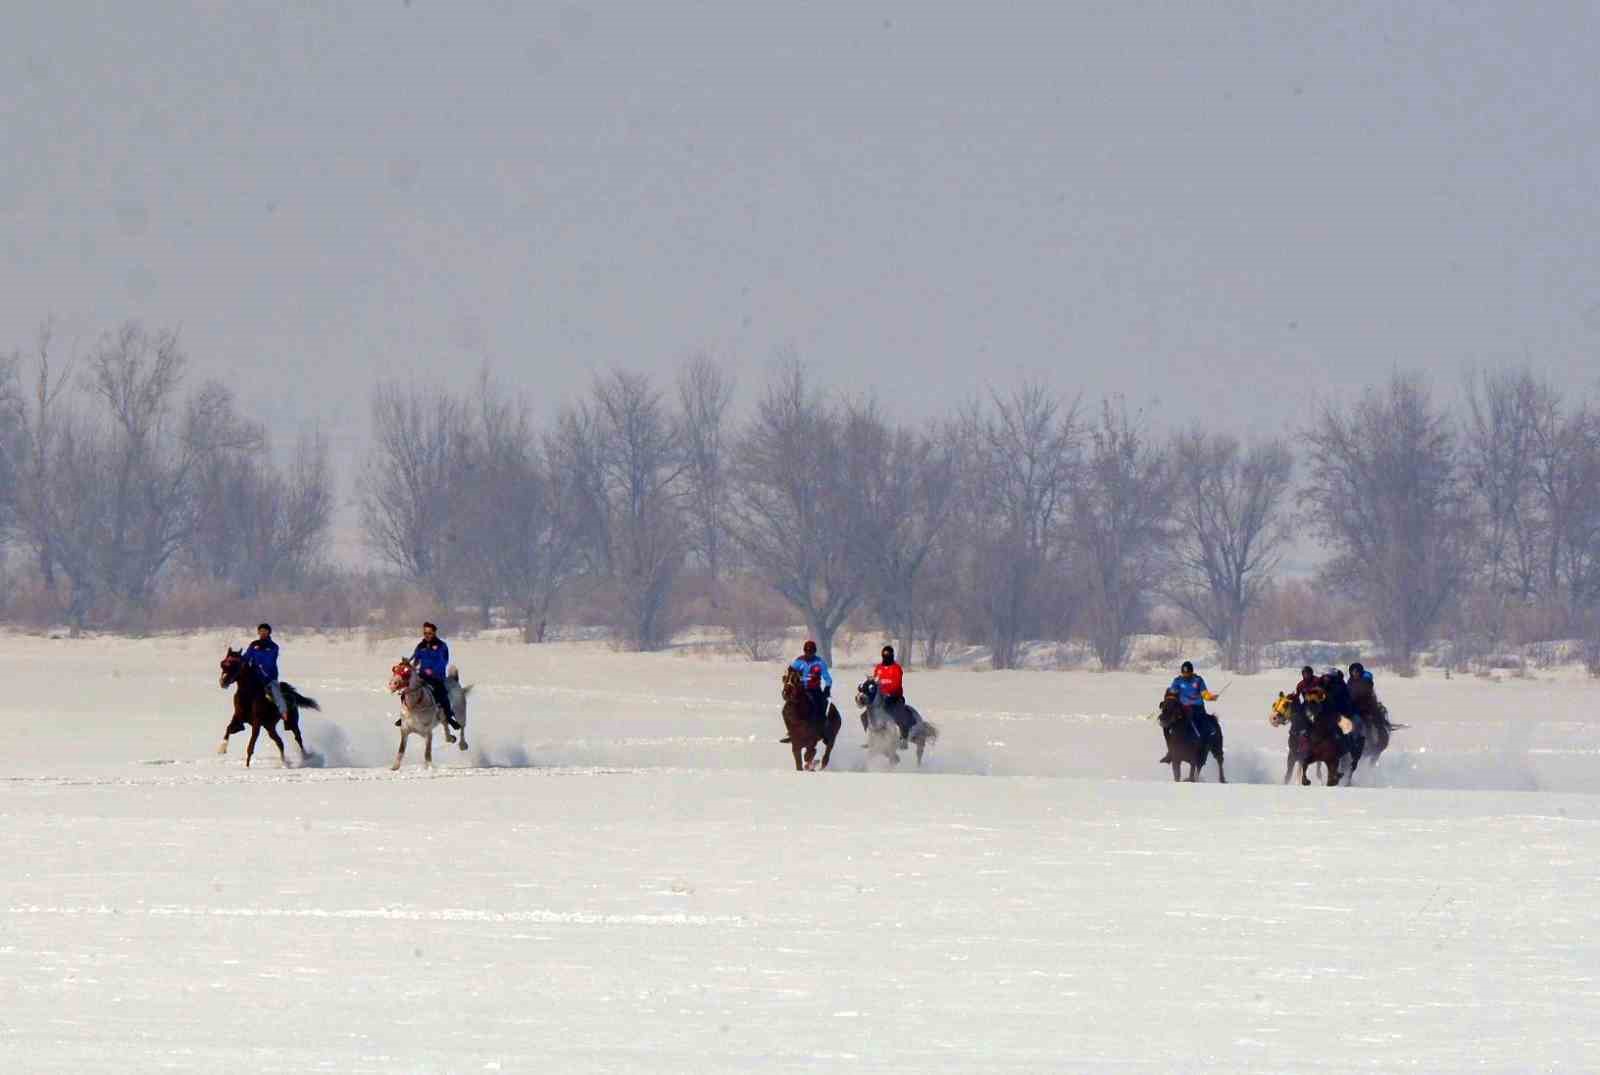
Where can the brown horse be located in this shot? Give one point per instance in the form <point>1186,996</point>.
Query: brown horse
<point>804,735</point>
<point>1314,736</point>
<point>253,707</point>
<point>1184,745</point>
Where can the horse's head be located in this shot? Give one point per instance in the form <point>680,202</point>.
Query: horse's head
<point>232,665</point>
<point>867,693</point>
<point>1282,710</point>
<point>400,676</point>
<point>791,683</point>
<point>1171,710</point>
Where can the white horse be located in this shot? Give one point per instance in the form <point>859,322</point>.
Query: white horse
<point>420,713</point>
<point>889,733</point>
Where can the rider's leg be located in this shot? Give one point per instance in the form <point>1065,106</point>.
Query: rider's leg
<point>441,695</point>
<point>819,708</point>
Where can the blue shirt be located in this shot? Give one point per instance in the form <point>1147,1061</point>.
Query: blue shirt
<point>813,670</point>
<point>262,655</point>
<point>433,658</point>
<point>1189,689</point>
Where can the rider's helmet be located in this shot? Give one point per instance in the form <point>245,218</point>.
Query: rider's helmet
<point>1187,668</point>
<point>888,654</point>
<point>1356,669</point>
<point>809,648</point>
<point>1308,671</point>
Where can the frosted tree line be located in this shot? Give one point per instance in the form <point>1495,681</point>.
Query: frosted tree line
<point>647,504</point>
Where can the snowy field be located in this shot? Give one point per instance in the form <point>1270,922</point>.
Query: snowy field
<point>625,874</point>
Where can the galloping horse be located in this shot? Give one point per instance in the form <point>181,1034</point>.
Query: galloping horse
<point>1184,745</point>
<point>420,713</point>
<point>1314,737</point>
<point>889,730</point>
<point>252,706</point>
<point>804,735</point>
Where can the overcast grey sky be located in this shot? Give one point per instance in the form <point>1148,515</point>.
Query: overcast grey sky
<point>1217,207</point>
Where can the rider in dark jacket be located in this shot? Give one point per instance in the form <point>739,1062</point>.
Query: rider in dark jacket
<point>431,658</point>
<point>262,655</point>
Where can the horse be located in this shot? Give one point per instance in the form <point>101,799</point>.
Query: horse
<point>890,730</point>
<point>1314,737</point>
<point>420,713</point>
<point>804,735</point>
<point>1375,730</point>
<point>1184,745</point>
<point>253,706</point>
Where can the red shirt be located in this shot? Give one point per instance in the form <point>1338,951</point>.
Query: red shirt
<point>889,679</point>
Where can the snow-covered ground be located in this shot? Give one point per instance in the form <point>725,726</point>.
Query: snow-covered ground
<point>625,874</point>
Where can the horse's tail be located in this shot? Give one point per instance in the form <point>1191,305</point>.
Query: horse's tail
<point>297,699</point>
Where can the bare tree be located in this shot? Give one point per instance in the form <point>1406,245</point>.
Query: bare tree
<point>522,521</point>
<point>641,472</point>
<point>798,519</point>
<point>1566,480</point>
<point>260,527</point>
<point>914,491</point>
<point>1504,411</point>
<point>705,392</point>
<point>1387,478</point>
<point>112,487</point>
<point>1120,523</point>
<point>419,439</point>
<point>13,441</point>
<point>1229,530</point>
<point>1023,458</point>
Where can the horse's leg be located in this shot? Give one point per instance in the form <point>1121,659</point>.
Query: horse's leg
<point>796,748</point>
<point>1177,769</point>
<point>294,729</point>
<point>277,741</point>
<point>427,750</point>
<point>250,751</point>
<point>400,754</point>
<point>1288,770</point>
<point>461,722</point>
<point>1222,777</point>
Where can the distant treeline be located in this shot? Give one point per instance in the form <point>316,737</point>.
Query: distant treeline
<point>133,500</point>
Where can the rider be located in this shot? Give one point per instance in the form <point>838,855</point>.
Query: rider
<point>817,681</point>
<point>1363,694</point>
<point>431,659</point>
<point>262,655</point>
<point>1343,704</point>
<point>890,678</point>
<point>1193,694</point>
<point>1308,682</point>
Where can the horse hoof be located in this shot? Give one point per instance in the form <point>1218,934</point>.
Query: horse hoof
<point>463,744</point>
<point>395,767</point>
<point>222,748</point>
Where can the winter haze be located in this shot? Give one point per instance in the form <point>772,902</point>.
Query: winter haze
<point>1216,208</point>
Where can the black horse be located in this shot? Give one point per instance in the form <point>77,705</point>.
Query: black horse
<point>1184,742</point>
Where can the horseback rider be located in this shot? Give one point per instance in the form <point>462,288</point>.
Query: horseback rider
<point>262,655</point>
<point>817,681</point>
<point>1364,703</point>
<point>431,659</point>
<point>1308,682</point>
<point>1193,694</point>
<point>1343,705</point>
<point>890,678</point>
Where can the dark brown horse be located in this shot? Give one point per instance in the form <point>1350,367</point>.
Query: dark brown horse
<point>804,734</point>
<point>253,707</point>
<point>1184,745</point>
<point>1314,736</point>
